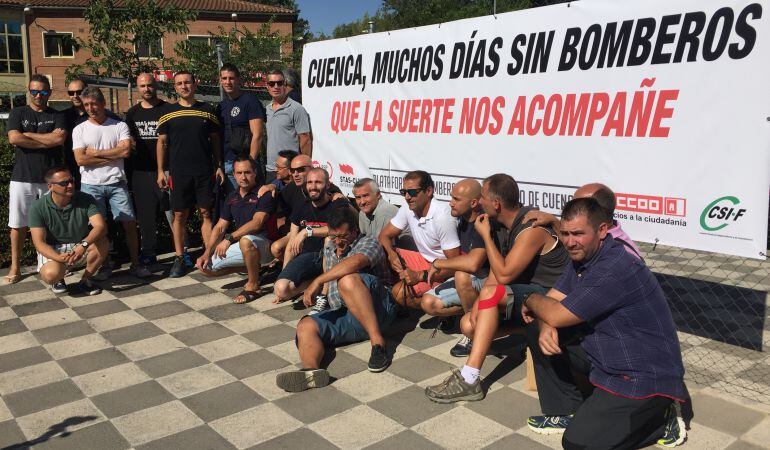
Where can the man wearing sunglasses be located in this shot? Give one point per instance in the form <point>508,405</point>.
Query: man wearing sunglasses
<point>288,124</point>
<point>434,231</point>
<point>361,305</point>
<point>37,133</point>
<point>59,223</point>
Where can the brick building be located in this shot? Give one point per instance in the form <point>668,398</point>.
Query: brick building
<point>32,39</point>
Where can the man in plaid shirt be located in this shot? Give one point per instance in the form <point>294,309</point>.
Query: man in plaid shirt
<point>608,318</point>
<point>361,304</point>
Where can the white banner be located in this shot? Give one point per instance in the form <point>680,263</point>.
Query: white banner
<point>667,102</point>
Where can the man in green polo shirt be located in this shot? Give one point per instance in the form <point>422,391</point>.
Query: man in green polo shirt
<point>59,223</point>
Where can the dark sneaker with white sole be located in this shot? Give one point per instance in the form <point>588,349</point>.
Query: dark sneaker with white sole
<point>378,360</point>
<point>675,433</point>
<point>548,424</point>
<point>462,348</point>
<point>60,287</point>
<point>301,380</point>
<point>178,269</point>
<point>87,287</point>
<point>455,389</point>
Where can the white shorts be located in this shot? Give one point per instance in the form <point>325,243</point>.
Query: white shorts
<point>21,196</point>
<point>64,248</point>
<point>234,255</point>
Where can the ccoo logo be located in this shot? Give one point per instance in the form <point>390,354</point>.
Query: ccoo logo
<point>720,213</point>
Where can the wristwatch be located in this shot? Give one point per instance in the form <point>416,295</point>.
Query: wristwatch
<point>229,238</point>
<point>309,231</point>
<point>84,244</point>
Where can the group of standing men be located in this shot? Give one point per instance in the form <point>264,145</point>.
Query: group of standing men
<point>576,287</point>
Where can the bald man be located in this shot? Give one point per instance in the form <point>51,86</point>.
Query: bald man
<point>606,199</point>
<point>142,120</point>
<point>456,295</point>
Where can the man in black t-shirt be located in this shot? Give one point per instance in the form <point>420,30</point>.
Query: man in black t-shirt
<point>249,244</point>
<point>37,133</point>
<point>142,120</point>
<point>302,260</point>
<point>190,130</point>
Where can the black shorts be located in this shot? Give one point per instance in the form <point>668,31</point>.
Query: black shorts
<point>189,191</point>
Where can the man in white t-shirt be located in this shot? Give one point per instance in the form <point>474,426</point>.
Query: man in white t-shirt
<point>434,231</point>
<point>100,144</point>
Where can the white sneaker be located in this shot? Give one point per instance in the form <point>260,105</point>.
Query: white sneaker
<point>321,305</point>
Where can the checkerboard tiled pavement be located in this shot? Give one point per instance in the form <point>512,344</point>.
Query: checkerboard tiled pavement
<point>173,364</point>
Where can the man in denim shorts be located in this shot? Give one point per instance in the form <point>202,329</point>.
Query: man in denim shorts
<point>361,305</point>
<point>100,144</point>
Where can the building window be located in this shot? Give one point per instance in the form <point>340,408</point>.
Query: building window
<point>11,53</point>
<point>58,45</point>
<point>150,50</point>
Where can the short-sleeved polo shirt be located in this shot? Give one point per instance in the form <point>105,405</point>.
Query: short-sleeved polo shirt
<point>432,234</point>
<point>633,346</point>
<point>283,127</point>
<point>241,210</point>
<point>63,225</point>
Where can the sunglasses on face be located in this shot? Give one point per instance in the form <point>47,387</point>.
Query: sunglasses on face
<point>301,169</point>
<point>411,192</point>
<point>275,83</point>
<point>74,93</point>
<point>43,92</point>
<point>64,183</point>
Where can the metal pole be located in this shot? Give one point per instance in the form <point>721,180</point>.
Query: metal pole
<point>219,62</point>
<point>371,26</point>
<point>494,7</point>
<point>130,95</point>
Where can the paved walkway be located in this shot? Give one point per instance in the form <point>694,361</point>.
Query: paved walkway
<point>173,364</point>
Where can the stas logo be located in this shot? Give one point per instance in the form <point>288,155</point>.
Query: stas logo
<point>346,169</point>
<point>652,204</point>
<point>347,175</point>
<point>721,213</point>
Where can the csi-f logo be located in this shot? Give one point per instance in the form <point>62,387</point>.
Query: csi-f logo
<point>720,213</point>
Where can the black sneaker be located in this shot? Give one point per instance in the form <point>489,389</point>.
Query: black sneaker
<point>178,268</point>
<point>379,359</point>
<point>60,287</point>
<point>87,287</point>
<point>300,380</point>
<point>462,348</point>
<point>675,433</point>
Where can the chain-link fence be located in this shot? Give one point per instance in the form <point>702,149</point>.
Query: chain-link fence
<point>720,307</point>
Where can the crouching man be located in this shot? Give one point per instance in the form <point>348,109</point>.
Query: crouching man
<point>360,303</point>
<point>629,350</point>
<point>59,224</point>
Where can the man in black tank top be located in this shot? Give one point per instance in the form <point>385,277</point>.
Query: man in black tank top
<point>523,260</point>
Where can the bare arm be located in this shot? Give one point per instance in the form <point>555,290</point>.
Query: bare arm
<point>388,234</point>
<point>98,228</point>
<point>287,254</point>
<point>216,236</point>
<point>351,264</point>
<point>42,247</point>
<point>52,139</point>
<point>160,152</point>
<point>550,310</point>
<point>20,139</point>
<point>253,226</point>
<point>120,151</point>
<point>257,127</point>
<point>469,263</point>
<point>84,159</point>
<point>528,244</point>
<point>306,143</point>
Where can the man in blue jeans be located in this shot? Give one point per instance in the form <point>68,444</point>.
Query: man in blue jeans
<point>360,303</point>
<point>100,145</point>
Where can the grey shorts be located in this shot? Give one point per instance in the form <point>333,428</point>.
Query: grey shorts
<point>234,255</point>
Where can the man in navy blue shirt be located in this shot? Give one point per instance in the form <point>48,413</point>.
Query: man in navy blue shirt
<point>249,244</point>
<point>242,118</point>
<point>606,317</point>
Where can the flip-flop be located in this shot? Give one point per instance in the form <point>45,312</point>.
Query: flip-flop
<point>249,296</point>
<point>11,279</point>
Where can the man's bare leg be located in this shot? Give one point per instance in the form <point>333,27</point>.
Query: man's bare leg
<point>408,301</point>
<point>96,257</point>
<point>205,224</point>
<point>179,230</point>
<point>132,240</point>
<point>359,302</point>
<point>251,257</point>
<point>278,247</point>
<point>309,344</point>
<point>484,332</point>
<point>465,290</point>
<point>18,236</point>
<point>435,307</point>
<point>286,290</point>
<point>52,272</point>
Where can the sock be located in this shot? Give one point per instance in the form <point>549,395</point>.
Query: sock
<point>470,374</point>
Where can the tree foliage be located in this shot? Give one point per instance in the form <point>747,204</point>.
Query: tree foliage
<point>115,31</point>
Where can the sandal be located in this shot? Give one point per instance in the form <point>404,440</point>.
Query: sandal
<point>11,279</point>
<point>248,296</point>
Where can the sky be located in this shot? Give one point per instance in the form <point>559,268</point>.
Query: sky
<point>324,15</point>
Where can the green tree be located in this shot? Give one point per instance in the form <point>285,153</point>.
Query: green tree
<point>115,32</point>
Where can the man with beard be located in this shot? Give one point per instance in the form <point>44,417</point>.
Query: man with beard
<point>629,348</point>
<point>59,223</point>
<point>249,244</point>
<point>302,260</point>
<point>435,234</point>
<point>242,118</point>
<point>36,132</point>
<point>523,260</point>
<point>190,130</point>
<point>142,120</point>
<point>354,270</point>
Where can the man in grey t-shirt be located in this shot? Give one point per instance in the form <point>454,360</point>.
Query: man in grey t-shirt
<point>374,212</point>
<point>288,124</point>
